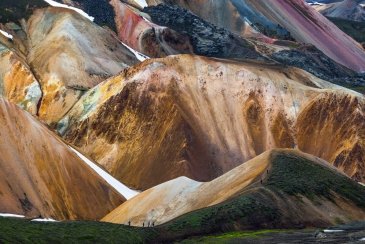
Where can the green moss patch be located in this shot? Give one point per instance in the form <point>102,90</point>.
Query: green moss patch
<point>232,236</point>
<point>296,175</point>
<point>23,231</point>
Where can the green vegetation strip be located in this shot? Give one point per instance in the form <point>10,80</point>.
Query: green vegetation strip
<point>296,175</point>
<point>231,236</point>
<point>14,230</point>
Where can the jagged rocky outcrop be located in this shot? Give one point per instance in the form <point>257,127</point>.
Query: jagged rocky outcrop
<point>206,38</point>
<point>234,15</point>
<point>200,117</point>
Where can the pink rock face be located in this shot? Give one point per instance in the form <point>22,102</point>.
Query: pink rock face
<point>146,37</point>
<point>129,24</point>
<point>309,26</point>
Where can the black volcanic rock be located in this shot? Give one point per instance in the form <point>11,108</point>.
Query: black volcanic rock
<point>14,10</point>
<point>317,63</point>
<point>101,10</point>
<point>206,38</point>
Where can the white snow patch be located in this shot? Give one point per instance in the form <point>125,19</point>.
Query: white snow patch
<point>6,34</point>
<point>138,55</point>
<point>22,216</point>
<point>117,185</point>
<point>332,231</point>
<point>147,20</point>
<point>316,3</point>
<point>44,220</point>
<point>11,215</point>
<point>362,239</point>
<point>60,5</point>
<point>361,183</point>
<point>141,3</point>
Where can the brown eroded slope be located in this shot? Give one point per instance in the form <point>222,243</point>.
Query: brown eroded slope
<point>69,54</point>
<point>332,127</point>
<point>40,175</point>
<point>199,117</point>
<point>261,181</point>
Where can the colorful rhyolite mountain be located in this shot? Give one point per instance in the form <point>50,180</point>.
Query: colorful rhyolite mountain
<point>347,9</point>
<point>70,54</point>
<point>66,54</point>
<point>250,137</point>
<point>200,117</point>
<point>295,16</point>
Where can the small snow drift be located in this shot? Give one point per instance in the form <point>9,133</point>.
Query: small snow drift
<point>142,3</point>
<point>44,220</point>
<point>7,215</point>
<point>141,57</point>
<point>7,35</point>
<point>60,5</point>
<point>121,188</point>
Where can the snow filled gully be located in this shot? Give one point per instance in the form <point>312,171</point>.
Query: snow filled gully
<point>60,5</point>
<point>117,185</point>
<point>141,57</point>
<point>142,3</point>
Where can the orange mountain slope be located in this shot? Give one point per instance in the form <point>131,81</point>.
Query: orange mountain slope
<point>41,175</point>
<point>200,117</point>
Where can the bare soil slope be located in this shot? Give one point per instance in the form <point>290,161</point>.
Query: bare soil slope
<point>40,175</point>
